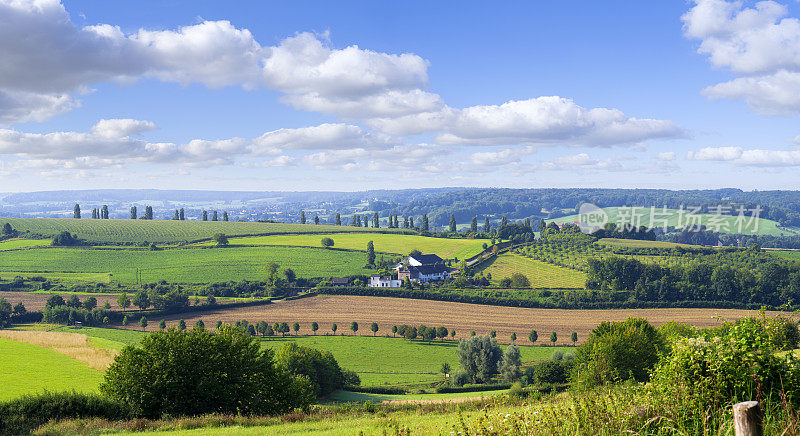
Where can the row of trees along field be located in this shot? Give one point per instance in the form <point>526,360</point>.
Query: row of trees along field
<point>102,213</point>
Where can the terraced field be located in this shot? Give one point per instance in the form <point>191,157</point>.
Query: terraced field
<point>385,243</point>
<point>540,274</point>
<point>727,223</point>
<point>166,231</point>
<point>185,265</point>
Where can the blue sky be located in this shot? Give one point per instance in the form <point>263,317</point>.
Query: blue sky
<point>361,95</point>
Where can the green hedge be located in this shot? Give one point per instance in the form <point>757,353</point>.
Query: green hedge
<point>24,414</point>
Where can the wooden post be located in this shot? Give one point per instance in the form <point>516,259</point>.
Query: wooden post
<point>747,419</point>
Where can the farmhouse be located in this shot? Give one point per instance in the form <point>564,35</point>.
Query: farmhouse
<point>424,273</point>
<point>377,281</point>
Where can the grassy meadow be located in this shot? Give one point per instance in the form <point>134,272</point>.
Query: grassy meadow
<point>28,369</point>
<point>17,243</point>
<point>540,274</point>
<point>184,265</point>
<point>116,231</point>
<point>385,243</point>
<point>728,223</point>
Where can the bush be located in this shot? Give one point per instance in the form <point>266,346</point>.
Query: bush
<point>549,371</point>
<point>618,351</point>
<point>198,372</point>
<point>479,357</point>
<point>741,364</point>
<point>320,367</point>
<point>24,414</point>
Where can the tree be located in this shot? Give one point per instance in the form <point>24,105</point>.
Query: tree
<point>181,325</point>
<point>148,212</point>
<point>19,309</point>
<point>134,213</point>
<point>405,222</point>
<point>493,333</point>
<point>182,216</point>
<point>296,327</point>
<point>428,333</point>
<point>237,376</point>
<point>354,327</point>
<point>94,213</point>
<point>319,367</point>
<point>214,216</point>
<point>316,219</point>
<point>441,332</point>
<point>7,229</point>
<point>284,328</point>
<point>338,220</point>
<point>452,334</point>
<point>374,328</point>
<point>302,217</point>
<point>574,338</point>
<point>221,239</point>
<point>334,327</point>
<point>473,227</point>
<point>5,313</point>
<point>375,220</point>
<point>107,305</point>
<point>410,332</point>
<point>123,301</point>
<point>73,302</point>
<point>314,327</point>
<point>425,226</point>
<point>327,242</point>
<point>205,216</point>
<point>513,337</point>
<point>162,325</point>
<point>519,281</point>
<point>63,239</point>
<point>104,212</point>
<point>618,351</point>
<point>125,320</point>
<point>479,357</point>
<point>510,366</point>
<point>89,303</point>
<point>370,253</point>
<point>177,216</point>
<point>199,324</point>
<point>452,223</point>
<point>76,211</point>
<point>219,324</point>
<point>486,226</point>
<point>141,300</point>
<point>225,216</point>
<point>394,330</point>
<point>533,336</point>
<point>143,323</point>
<point>553,338</point>
<point>445,369</point>
<point>290,275</point>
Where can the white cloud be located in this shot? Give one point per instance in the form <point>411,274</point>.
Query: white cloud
<point>121,127</point>
<point>541,121</point>
<point>19,106</point>
<point>321,137</point>
<point>760,44</point>
<point>716,153</point>
<point>581,162</point>
<point>501,157</point>
<point>56,57</point>
<point>666,156</point>
<point>751,157</point>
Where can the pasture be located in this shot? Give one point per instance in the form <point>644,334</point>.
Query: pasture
<point>188,265</point>
<point>16,244</point>
<point>673,217</point>
<point>30,369</point>
<point>540,274</point>
<point>121,231</point>
<point>383,242</point>
<point>787,254</point>
<point>463,317</point>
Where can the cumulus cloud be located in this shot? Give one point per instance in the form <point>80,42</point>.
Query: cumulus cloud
<point>541,121</point>
<point>761,44</point>
<point>323,136</point>
<point>751,157</point>
<point>581,162</point>
<point>57,57</point>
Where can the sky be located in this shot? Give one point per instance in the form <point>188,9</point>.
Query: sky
<point>356,95</point>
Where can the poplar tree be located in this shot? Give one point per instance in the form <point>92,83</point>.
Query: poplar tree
<point>425,227</point>
<point>316,219</point>
<point>214,216</point>
<point>302,217</point>
<point>224,216</point>
<point>452,223</point>
<point>205,215</point>
<point>338,220</point>
<point>104,212</point>
<point>486,226</point>
<point>76,212</point>
<point>474,225</point>
<point>182,217</point>
<point>370,253</point>
<point>411,222</point>
<point>177,215</point>
<point>405,222</point>
<point>134,213</point>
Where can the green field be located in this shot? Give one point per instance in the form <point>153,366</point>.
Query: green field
<point>540,274</point>
<point>729,223</point>
<point>29,369</point>
<point>100,277</point>
<point>197,265</point>
<point>166,231</point>
<point>387,355</point>
<point>385,243</point>
<point>16,244</point>
<point>786,254</point>
<point>633,243</point>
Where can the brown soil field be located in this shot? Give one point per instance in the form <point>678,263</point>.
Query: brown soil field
<point>462,317</point>
<point>37,301</point>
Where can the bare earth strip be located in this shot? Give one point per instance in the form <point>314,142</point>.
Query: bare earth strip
<point>464,317</point>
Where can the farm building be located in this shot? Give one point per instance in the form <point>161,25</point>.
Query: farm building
<point>424,259</point>
<point>377,281</point>
<point>338,282</point>
<point>424,273</point>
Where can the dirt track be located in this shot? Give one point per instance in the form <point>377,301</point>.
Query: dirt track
<point>464,317</point>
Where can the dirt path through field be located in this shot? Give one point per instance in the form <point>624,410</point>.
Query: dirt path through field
<point>463,317</point>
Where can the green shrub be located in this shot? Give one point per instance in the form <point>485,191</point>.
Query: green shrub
<point>24,414</point>
<point>479,357</point>
<point>197,372</point>
<point>320,367</point>
<point>618,351</point>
